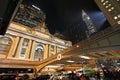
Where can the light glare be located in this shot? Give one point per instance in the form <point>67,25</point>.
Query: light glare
<point>36,7</point>
<point>85,57</point>
<point>70,61</point>
<point>53,66</point>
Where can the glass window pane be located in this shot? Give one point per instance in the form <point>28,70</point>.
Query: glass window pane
<point>24,47</point>
<point>51,50</point>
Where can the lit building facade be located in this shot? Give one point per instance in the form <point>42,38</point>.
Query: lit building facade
<point>28,38</point>
<point>111,9</point>
<point>21,43</point>
<point>90,26</point>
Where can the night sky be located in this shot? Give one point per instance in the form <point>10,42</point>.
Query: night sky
<point>64,13</point>
<point>64,16</point>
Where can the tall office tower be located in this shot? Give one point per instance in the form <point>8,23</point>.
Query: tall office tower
<point>111,9</point>
<point>90,26</point>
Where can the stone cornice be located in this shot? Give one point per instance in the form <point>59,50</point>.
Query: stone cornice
<point>37,36</point>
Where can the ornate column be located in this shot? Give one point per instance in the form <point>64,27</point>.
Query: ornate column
<point>32,50</point>
<point>46,51</point>
<point>55,49</point>
<point>13,47</point>
<point>19,47</point>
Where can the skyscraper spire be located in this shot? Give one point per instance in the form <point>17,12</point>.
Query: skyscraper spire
<point>90,26</point>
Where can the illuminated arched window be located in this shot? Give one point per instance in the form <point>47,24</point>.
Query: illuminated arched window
<point>39,51</point>
<point>5,43</point>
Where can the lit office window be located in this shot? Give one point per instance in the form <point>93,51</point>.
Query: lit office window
<point>109,4</point>
<point>109,10</point>
<point>112,8</point>
<point>23,48</point>
<point>5,44</point>
<point>106,6</point>
<point>106,2</point>
<point>115,17</point>
<point>118,22</point>
<point>102,0</point>
<point>39,52</point>
<point>118,1</point>
<point>118,15</point>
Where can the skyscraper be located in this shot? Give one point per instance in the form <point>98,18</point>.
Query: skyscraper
<point>111,9</point>
<point>90,26</point>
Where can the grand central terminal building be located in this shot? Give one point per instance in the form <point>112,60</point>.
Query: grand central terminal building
<point>28,47</point>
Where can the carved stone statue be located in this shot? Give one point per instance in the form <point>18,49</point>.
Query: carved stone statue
<point>42,28</point>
